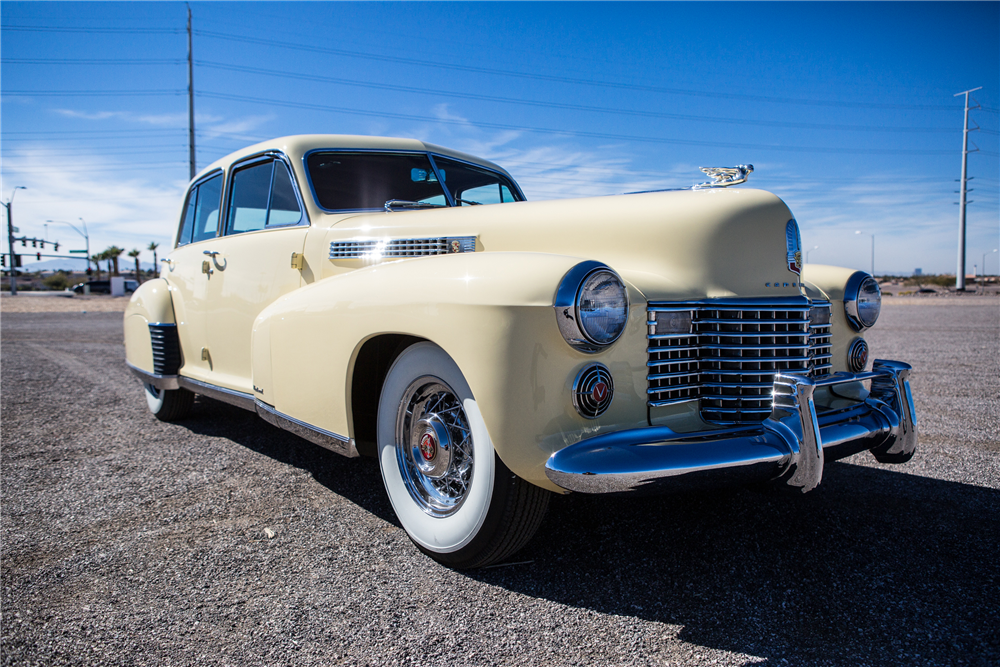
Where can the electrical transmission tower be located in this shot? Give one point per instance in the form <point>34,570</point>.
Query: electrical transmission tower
<point>960,273</point>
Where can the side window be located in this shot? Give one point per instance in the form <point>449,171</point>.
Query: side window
<point>262,196</point>
<point>187,223</point>
<point>201,214</point>
<point>284,208</point>
<point>206,217</point>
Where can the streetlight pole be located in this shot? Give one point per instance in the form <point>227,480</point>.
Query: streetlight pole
<point>83,234</point>
<point>873,252</point>
<point>10,240</point>
<point>815,247</point>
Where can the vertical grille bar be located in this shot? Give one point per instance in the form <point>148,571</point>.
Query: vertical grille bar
<point>729,356</point>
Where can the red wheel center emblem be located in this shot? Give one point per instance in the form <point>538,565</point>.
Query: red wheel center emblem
<point>599,392</point>
<point>428,447</point>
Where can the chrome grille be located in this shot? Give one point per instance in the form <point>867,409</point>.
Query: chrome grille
<point>166,348</point>
<point>725,353</point>
<point>397,248</point>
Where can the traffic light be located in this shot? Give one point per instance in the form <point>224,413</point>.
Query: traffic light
<point>39,256</point>
<point>3,260</point>
<point>34,243</point>
<point>57,247</point>
<point>24,242</point>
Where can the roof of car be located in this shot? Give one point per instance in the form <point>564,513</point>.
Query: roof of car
<point>296,146</point>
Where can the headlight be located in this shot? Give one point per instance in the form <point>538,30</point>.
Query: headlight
<point>862,300</point>
<point>591,306</point>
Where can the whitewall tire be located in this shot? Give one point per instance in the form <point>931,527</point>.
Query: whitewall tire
<point>168,404</point>
<point>452,494</point>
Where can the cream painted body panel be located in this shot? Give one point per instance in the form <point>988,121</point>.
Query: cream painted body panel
<point>189,289</point>
<point>497,324</point>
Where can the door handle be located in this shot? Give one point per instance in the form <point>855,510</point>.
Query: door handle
<point>211,253</point>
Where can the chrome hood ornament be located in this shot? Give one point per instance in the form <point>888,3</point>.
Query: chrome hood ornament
<point>726,176</point>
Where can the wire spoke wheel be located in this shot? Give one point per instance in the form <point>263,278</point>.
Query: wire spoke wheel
<point>434,446</point>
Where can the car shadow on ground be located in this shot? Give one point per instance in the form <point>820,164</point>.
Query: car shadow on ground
<point>876,566</point>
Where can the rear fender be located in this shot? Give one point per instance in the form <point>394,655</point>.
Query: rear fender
<point>150,304</point>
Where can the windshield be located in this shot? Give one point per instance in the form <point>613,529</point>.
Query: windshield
<point>472,186</point>
<point>351,181</point>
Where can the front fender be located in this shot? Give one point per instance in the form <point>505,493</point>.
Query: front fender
<point>491,312</point>
<point>829,282</point>
<point>150,304</point>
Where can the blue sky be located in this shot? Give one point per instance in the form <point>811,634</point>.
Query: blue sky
<point>846,110</point>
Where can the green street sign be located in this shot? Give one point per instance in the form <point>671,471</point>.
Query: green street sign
<point>79,251</point>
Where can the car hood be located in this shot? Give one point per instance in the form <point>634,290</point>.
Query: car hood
<point>668,245</point>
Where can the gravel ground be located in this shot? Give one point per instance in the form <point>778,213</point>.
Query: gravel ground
<point>126,541</point>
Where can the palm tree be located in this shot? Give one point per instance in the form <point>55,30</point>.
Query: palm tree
<point>153,245</point>
<point>96,259</point>
<point>112,254</point>
<point>134,254</point>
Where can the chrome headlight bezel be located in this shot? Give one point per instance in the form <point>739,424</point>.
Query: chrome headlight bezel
<point>858,296</point>
<point>568,300</point>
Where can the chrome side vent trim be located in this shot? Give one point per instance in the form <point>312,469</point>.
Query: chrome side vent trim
<point>376,249</point>
<point>166,348</point>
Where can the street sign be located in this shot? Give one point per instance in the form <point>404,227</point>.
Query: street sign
<point>80,251</point>
<point>15,230</point>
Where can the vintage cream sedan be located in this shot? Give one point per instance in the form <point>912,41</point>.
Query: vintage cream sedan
<point>401,300</point>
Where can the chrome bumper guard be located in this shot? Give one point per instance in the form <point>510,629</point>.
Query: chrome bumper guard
<point>788,448</point>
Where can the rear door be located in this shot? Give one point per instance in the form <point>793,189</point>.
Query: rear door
<point>187,272</point>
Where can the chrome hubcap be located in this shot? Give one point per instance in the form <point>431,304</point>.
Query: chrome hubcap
<point>434,446</point>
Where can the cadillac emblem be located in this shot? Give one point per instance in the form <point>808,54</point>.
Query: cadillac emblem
<point>456,246</point>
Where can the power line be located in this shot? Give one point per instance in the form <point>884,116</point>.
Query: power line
<point>729,120</point>
<point>563,79</point>
<point>93,61</point>
<point>142,31</point>
<point>91,93</point>
<point>573,133</point>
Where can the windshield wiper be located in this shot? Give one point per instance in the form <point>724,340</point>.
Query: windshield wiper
<point>405,203</point>
<point>467,201</point>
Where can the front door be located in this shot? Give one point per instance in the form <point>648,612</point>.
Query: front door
<point>251,263</point>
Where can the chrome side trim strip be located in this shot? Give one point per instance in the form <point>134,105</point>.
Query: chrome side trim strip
<point>314,434</point>
<point>237,398</point>
<point>158,381</point>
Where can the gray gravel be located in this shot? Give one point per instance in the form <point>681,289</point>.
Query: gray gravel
<point>126,541</point>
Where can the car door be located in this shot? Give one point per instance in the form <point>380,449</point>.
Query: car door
<point>187,272</point>
<point>252,262</point>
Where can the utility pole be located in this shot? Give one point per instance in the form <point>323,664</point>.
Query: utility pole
<point>10,240</point>
<point>960,273</point>
<point>190,99</point>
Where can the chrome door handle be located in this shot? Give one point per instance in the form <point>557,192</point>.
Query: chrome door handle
<point>211,253</point>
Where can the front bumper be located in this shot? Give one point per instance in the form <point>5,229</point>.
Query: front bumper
<point>789,447</point>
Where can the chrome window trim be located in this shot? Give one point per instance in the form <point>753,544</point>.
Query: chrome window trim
<point>187,197</point>
<point>430,156</point>
<point>249,161</point>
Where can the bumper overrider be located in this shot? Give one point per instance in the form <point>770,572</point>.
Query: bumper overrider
<point>789,448</point>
